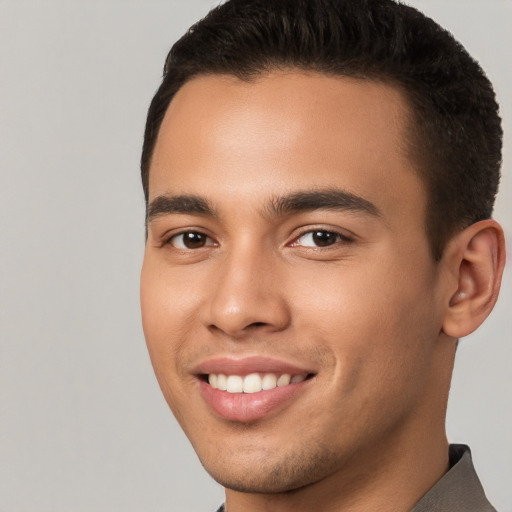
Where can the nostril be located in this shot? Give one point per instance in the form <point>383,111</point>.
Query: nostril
<point>257,324</point>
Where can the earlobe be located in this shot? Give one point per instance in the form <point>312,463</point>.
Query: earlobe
<point>477,257</point>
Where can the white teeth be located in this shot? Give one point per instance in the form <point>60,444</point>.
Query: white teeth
<point>222,382</point>
<point>235,384</point>
<point>252,383</point>
<point>269,381</point>
<point>212,380</point>
<point>284,380</point>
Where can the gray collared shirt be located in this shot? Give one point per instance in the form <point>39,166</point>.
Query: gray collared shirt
<point>459,490</point>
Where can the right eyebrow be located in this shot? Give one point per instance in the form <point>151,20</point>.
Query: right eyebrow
<point>185,204</point>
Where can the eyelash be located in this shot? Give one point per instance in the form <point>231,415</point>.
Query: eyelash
<point>339,238</point>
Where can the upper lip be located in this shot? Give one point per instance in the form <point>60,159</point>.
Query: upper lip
<point>248,365</point>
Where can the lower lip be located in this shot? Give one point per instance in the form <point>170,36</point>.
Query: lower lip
<point>246,407</point>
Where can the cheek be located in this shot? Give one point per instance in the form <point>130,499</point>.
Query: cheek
<point>155,306</point>
<point>379,341</point>
<point>169,298</point>
<point>165,317</point>
<point>380,326</point>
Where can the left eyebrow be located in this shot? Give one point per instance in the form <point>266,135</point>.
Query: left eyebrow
<point>328,199</point>
<point>185,204</point>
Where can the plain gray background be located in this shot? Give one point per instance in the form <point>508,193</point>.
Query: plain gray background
<point>82,424</point>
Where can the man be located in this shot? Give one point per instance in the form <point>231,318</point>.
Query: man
<point>319,177</point>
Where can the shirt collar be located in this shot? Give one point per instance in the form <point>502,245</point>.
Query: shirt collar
<point>459,489</point>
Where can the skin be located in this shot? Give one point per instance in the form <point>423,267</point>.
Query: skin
<point>372,314</point>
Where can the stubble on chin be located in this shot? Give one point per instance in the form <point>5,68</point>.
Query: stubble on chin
<point>275,473</point>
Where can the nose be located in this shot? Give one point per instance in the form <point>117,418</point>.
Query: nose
<point>247,296</point>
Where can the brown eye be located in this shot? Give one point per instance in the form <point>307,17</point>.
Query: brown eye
<point>190,240</point>
<point>320,238</point>
<point>324,238</point>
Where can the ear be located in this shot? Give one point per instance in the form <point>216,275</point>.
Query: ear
<point>476,258</point>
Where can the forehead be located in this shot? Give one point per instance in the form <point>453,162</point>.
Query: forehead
<point>285,131</point>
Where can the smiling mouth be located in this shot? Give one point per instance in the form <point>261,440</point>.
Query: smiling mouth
<point>250,389</point>
<point>253,382</point>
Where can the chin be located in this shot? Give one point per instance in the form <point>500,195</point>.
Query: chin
<point>272,475</point>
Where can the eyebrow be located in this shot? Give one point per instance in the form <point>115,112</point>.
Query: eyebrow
<point>329,199</point>
<point>185,204</point>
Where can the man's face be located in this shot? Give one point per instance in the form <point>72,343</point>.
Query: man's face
<point>286,239</point>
